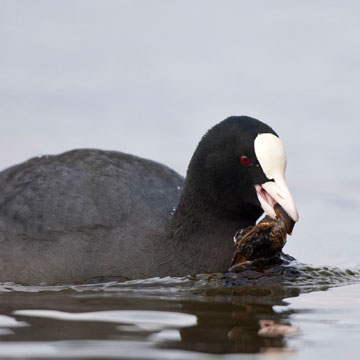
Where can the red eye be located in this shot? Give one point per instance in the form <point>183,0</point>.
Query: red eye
<point>245,160</point>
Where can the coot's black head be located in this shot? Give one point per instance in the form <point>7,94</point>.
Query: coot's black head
<point>238,170</point>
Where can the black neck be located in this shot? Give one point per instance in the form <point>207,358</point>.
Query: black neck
<point>201,235</point>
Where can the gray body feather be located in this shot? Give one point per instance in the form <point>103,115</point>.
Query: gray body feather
<point>80,214</point>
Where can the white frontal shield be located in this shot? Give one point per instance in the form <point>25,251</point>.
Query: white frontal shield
<point>271,155</point>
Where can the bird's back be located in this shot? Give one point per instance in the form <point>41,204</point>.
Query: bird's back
<point>59,211</point>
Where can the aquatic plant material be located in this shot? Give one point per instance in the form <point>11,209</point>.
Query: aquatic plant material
<point>264,240</point>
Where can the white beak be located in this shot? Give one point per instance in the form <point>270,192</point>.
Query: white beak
<point>273,192</point>
<point>271,154</point>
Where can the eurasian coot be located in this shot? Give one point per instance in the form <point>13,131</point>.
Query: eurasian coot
<point>87,213</point>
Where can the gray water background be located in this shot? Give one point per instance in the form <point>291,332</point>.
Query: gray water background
<point>150,77</point>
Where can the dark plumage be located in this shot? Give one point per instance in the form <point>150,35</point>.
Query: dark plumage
<point>87,213</point>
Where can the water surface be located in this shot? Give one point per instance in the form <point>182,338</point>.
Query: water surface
<point>194,317</point>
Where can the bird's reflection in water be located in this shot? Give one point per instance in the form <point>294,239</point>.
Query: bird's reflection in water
<point>236,331</point>
<point>249,324</point>
<point>234,312</point>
